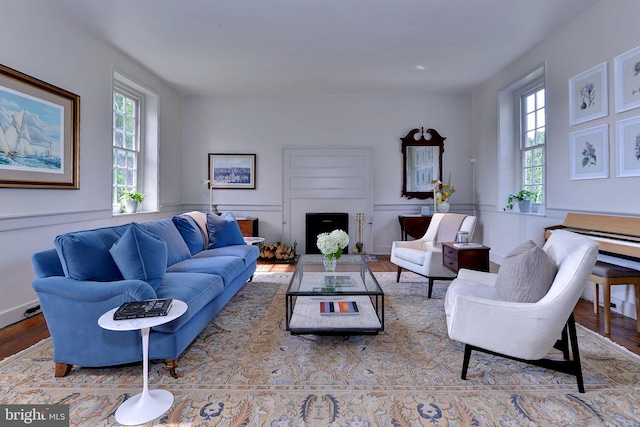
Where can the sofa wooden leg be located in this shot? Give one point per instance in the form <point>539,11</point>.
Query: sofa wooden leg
<point>62,369</point>
<point>171,365</point>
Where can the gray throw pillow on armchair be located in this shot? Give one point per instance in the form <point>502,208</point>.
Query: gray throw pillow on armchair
<point>526,274</point>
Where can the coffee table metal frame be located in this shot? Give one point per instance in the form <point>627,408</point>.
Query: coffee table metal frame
<point>308,286</point>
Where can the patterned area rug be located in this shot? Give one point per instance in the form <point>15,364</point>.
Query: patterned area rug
<point>246,370</point>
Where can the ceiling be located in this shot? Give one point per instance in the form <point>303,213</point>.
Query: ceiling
<point>323,46</point>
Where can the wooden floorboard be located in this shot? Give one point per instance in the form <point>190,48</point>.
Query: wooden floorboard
<point>21,335</point>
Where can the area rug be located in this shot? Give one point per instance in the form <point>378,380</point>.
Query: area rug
<point>246,370</point>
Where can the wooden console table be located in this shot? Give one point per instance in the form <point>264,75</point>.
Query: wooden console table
<point>413,225</point>
<point>471,258</point>
<point>248,226</point>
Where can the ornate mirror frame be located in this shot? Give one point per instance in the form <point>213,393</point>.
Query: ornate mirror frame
<point>421,162</point>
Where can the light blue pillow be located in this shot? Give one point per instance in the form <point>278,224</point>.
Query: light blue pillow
<point>223,230</point>
<point>140,255</point>
<point>167,231</point>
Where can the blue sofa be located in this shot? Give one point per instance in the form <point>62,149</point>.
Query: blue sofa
<point>197,258</point>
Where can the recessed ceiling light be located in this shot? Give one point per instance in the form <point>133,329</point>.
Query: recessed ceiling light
<point>420,67</point>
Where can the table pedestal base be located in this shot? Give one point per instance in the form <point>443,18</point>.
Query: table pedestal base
<point>144,407</point>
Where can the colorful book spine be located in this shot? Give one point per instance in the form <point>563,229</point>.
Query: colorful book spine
<point>338,307</point>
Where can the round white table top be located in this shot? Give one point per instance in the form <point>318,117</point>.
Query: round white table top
<point>253,240</point>
<point>106,320</point>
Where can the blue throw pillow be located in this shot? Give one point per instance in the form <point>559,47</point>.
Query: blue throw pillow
<point>140,255</point>
<point>223,230</point>
<point>167,231</point>
<point>190,232</point>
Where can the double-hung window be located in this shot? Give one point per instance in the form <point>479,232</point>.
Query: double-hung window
<point>532,148</point>
<point>127,149</point>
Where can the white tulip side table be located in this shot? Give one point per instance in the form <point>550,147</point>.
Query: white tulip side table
<point>148,405</point>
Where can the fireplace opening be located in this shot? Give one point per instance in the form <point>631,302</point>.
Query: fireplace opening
<point>324,222</point>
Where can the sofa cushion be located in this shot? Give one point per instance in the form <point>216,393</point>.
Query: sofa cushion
<point>177,249</point>
<point>84,255</point>
<point>190,232</point>
<point>140,255</point>
<point>249,253</point>
<point>228,267</point>
<point>526,274</point>
<point>196,289</point>
<point>223,230</point>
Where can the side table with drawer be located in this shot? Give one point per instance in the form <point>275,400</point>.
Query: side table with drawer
<point>472,258</point>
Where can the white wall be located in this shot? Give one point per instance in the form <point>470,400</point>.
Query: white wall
<point>598,35</point>
<point>266,125</point>
<point>46,46</point>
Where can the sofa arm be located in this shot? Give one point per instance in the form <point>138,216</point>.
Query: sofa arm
<point>90,291</point>
<point>71,309</point>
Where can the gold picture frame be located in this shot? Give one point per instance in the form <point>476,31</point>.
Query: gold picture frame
<point>40,135</point>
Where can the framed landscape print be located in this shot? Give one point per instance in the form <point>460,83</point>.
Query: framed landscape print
<point>628,144</point>
<point>627,79</point>
<point>40,135</point>
<point>588,95</point>
<point>589,155</point>
<point>237,171</point>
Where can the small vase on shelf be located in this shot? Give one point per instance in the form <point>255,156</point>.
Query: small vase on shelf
<point>443,207</point>
<point>329,264</point>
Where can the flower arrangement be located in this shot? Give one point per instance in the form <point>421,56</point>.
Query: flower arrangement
<point>444,191</point>
<point>332,244</point>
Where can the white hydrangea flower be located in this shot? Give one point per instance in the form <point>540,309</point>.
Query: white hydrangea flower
<point>332,244</point>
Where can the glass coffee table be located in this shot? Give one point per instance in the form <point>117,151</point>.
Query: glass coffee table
<point>348,301</point>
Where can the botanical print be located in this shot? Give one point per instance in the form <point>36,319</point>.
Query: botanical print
<point>31,133</point>
<point>589,154</point>
<point>628,140</point>
<point>588,94</point>
<point>627,79</point>
<point>636,70</point>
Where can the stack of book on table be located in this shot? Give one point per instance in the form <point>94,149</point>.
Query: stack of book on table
<point>328,308</point>
<point>141,309</point>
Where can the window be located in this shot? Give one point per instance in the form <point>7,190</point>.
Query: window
<point>532,146</point>
<point>135,153</point>
<point>522,137</point>
<point>126,143</point>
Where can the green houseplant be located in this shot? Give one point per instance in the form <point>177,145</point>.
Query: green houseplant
<point>131,200</point>
<point>524,199</point>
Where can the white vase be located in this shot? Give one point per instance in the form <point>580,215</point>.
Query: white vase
<point>329,264</point>
<point>131,206</point>
<point>443,207</point>
<point>524,205</point>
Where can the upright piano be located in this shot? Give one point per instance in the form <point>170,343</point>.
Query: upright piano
<point>616,235</point>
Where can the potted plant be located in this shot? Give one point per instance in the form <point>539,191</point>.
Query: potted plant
<point>524,199</point>
<point>131,200</point>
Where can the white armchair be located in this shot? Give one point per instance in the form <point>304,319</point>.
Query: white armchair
<point>424,256</point>
<point>525,332</point>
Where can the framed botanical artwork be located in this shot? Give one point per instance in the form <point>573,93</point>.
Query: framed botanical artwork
<point>237,171</point>
<point>588,95</point>
<point>627,79</point>
<point>628,144</point>
<point>589,155</point>
<point>40,135</point>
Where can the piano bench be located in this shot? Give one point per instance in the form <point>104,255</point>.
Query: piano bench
<point>607,275</point>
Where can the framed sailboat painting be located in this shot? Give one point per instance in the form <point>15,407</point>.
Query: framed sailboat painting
<point>39,135</point>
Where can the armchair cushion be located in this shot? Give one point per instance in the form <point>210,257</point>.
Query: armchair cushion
<point>526,274</point>
<point>223,230</point>
<point>140,255</point>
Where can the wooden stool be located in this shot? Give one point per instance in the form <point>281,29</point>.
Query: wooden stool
<point>606,274</point>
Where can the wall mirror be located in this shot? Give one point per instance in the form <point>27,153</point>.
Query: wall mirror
<point>422,162</point>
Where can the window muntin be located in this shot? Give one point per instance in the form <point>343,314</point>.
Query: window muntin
<point>533,142</point>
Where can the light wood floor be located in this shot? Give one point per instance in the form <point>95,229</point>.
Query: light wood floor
<point>17,337</point>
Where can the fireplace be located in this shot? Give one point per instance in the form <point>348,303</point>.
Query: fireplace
<point>324,222</point>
